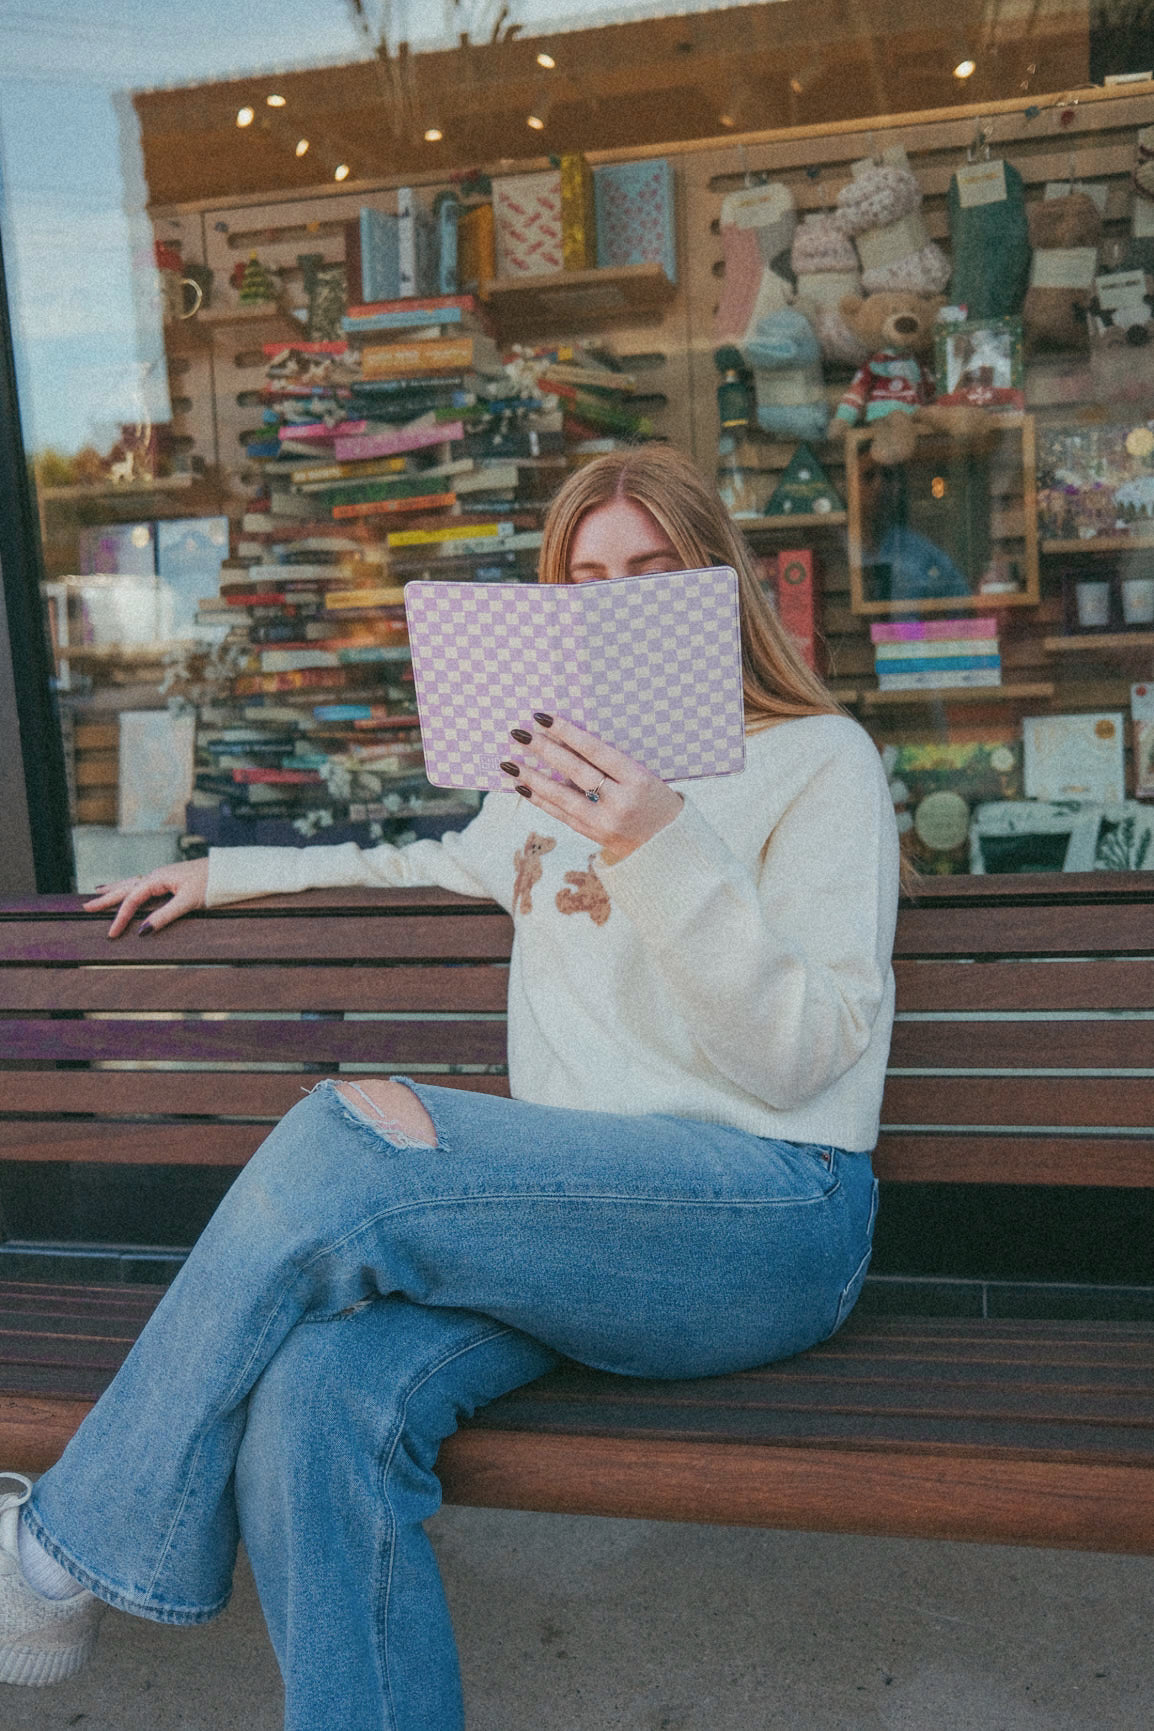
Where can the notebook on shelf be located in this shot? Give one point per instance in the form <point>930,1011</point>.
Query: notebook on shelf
<point>651,665</point>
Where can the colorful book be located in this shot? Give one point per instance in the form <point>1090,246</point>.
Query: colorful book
<point>527,216</point>
<point>399,439</point>
<point>394,507</point>
<point>384,597</point>
<point>277,777</point>
<point>907,630</point>
<point>650,664</point>
<point>450,532</point>
<point>940,664</point>
<point>400,321</point>
<point>447,216</point>
<point>634,202</point>
<point>449,308</point>
<point>940,681</point>
<point>476,247</point>
<point>927,649</point>
<point>432,355</point>
<point>380,275</point>
<point>796,605</point>
<point>578,214</point>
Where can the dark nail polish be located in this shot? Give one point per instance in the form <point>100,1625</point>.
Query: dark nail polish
<point>511,768</point>
<point>519,734</point>
<point>545,720</point>
<point>145,928</point>
<point>527,791</point>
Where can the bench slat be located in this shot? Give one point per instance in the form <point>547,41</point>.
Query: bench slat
<point>1092,984</point>
<point>483,986</point>
<point>205,1093</point>
<point>1111,929</point>
<point>463,936</point>
<point>960,1157</point>
<point>998,1045</point>
<point>258,1041</point>
<point>1124,1101</point>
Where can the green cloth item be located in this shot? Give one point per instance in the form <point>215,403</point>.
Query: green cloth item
<point>991,248</point>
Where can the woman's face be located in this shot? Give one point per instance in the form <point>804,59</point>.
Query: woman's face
<point>620,539</point>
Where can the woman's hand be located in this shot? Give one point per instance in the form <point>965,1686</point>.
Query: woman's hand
<point>632,803</point>
<point>186,883</point>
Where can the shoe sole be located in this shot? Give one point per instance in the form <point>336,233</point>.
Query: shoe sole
<point>32,1666</point>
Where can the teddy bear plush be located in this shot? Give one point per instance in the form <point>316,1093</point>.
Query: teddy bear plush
<point>1064,233</point>
<point>893,392</point>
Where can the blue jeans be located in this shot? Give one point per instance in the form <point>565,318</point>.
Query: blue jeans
<point>351,1298</point>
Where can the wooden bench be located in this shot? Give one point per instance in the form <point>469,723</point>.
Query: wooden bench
<point>1012,992</point>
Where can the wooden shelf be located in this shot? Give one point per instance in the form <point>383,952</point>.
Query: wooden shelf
<point>570,300</point>
<point>1109,640</point>
<point>788,520</point>
<point>1103,544</point>
<point>119,490</point>
<point>957,694</point>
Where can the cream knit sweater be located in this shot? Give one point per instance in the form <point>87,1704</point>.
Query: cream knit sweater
<point>692,977</point>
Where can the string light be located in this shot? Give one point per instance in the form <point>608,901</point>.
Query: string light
<point>245,116</point>
<point>433,135</point>
<point>726,120</point>
<point>302,146</point>
<point>965,68</point>
<point>341,172</point>
<point>547,61</point>
<point>535,121</point>
<point>276,101</point>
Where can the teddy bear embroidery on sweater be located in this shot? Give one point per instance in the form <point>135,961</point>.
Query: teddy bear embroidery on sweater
<point>527,860</point>
<point>588,896</point>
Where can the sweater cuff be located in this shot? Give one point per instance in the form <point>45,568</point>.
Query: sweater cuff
<point>665,882</point>
<point>238,874</point>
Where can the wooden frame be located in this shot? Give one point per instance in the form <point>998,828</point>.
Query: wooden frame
<point>1013,528</point>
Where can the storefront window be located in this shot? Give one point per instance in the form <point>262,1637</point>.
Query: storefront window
<point>287,339</point>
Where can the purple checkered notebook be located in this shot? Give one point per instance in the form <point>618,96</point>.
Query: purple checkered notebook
<point>650,664</point>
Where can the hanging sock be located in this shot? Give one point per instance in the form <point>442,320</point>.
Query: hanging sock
<point>757,226</point>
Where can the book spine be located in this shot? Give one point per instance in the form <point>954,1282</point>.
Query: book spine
<point>448,228</point>
<point>925,649</point>
<point>399,321</point>
<point>433,355</point>
<point>443,304</point>
<point>939,664</point>
<point>795,600</point>
<point>404,439</point>
<point>451,532</point>
<point>938,681</point>
<point>393,507</point>
<point>338,598</point>
<point>407,284</point>
<point>907,630</point>
<point>277,777</point>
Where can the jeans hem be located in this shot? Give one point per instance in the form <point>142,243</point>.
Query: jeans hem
<point>120,1598</point>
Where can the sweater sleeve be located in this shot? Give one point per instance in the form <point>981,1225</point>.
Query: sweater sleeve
<point>781,973</point>
<point>468,860</point>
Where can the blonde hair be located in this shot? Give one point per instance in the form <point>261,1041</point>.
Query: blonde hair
<point>777,684</point>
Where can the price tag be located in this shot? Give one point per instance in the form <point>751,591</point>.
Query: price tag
<point>981,183</point>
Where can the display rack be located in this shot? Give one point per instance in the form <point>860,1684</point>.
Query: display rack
<point>569,301</point>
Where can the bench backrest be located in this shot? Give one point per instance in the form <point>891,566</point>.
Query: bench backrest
<point>1023,1050</point>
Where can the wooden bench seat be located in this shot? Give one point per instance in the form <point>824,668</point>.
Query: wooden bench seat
<point>1009,992</point>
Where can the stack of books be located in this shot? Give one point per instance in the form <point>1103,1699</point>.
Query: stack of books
<point>936,654</point>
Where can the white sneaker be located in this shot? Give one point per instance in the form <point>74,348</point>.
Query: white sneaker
<point>41,1640</point>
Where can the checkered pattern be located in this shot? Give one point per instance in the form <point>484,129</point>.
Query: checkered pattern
<point>650,664</point>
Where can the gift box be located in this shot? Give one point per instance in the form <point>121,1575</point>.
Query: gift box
<point>527,216</point>
<point>634,202</point>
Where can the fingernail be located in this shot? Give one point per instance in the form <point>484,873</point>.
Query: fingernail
<point>527,791</point>
<point>511,768</point>
<point>146,927</point>
<point>545,720</point>
<point>519,734</point>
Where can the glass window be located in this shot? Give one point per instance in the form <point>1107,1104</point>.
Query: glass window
<point>291,335</point>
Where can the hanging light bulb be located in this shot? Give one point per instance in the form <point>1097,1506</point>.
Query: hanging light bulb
<point>302,146</point>
<point>535,121</point>
<point>965,68</point>
<point>341,172</point>
<point>547,61</point>
<point>276,101</point>
<point>245,116</point>
<point>433,135</point>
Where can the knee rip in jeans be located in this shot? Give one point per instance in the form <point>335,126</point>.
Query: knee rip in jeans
<point>391,1109</point>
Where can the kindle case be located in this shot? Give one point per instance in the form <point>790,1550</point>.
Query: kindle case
<point>651,665</point>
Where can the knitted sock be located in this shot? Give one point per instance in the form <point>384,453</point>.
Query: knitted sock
<point>991,249</point>
<point>757,226</point>
<point>42,1572</point>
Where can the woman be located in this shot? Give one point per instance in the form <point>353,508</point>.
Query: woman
<point>680,1185</point>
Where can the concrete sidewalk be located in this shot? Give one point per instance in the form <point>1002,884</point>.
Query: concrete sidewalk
<point>570,1623</point>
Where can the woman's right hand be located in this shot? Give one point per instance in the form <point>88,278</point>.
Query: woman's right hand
<point>186,884</point>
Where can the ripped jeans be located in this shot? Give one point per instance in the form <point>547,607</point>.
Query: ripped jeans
<point>354,1295</point>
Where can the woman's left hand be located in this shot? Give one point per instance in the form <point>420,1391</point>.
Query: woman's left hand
<point>632,803</point>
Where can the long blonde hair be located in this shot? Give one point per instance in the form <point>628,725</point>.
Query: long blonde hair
<point>776,681</point>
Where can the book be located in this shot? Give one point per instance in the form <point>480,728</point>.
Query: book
<point>476,247</point>
<point>450,532</point>
<point>634,202</point>
<point>938,663</point>
<point>650,664</point>
<point>432,355</point>
<point>932,651</point>
<point>341,598</point>
<point>907,630</point>
<point>527,219</point>
<point>448,307</point>
<point>939,680</point>
<point>578,213</point>
<point>189,555</point>
<point>367,507</point>
<point>399,439</point>
<point>796,607</point>
<point>380,259</point>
